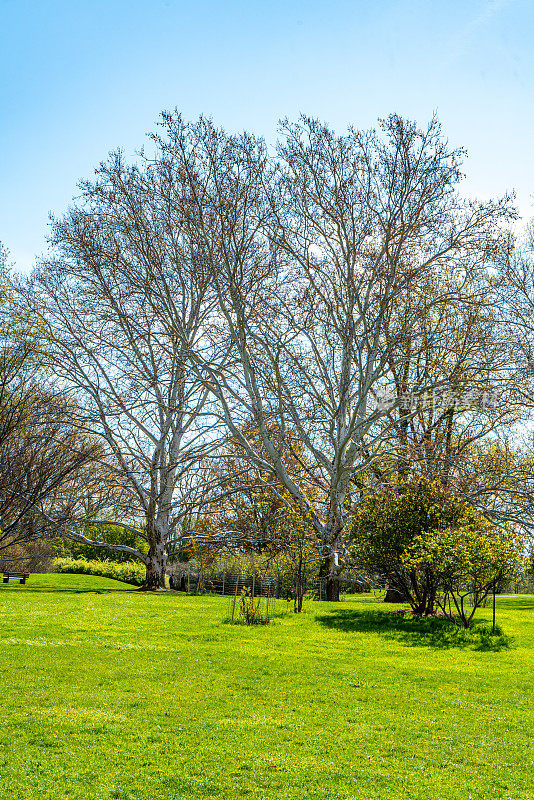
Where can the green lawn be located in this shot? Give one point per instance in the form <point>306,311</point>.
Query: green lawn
<point>109,693</point>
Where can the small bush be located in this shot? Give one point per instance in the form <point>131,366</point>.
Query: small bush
<point>127,572</point>
<point>250,609</point>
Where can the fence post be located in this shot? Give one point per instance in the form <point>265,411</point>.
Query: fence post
<point>493,629</point>
<point>235,598</point>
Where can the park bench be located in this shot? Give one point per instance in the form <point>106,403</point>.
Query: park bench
<point>21,576</point>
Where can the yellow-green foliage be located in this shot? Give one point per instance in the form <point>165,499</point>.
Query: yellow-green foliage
<point>129,571</point>
<point>467,561</point>
<point>425,539</point>
<point>388,522</point>
<point>469,556</point>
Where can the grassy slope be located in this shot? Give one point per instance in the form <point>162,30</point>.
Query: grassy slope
<point>108,693</point>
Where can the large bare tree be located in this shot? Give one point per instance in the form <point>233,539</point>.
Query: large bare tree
<point>309,253</point>
<point>462,345</point>
<point>115,349</point>
<point>218,283</point>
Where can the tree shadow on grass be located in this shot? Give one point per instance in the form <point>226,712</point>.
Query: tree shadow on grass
<point>435,632</point>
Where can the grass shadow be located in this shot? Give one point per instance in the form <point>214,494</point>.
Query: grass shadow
<point>435,632</point>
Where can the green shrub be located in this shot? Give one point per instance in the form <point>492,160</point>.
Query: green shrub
<point>128,571</point>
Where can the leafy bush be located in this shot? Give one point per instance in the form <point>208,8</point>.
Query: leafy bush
<point>128,572</point>
<point>466,561</point>
<point>425,540</point>
<point>389,521</point>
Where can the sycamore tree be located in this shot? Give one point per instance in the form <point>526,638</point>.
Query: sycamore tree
<point>217,282</point>
<point>116,349</point>
<point>310,249</point>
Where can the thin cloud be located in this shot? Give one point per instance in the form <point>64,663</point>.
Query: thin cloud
<point>462,41</point>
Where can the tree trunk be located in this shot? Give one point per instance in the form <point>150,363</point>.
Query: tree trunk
<point>329,579</point>
<point>394,596</point>
<point>155,575</point>
<point>157,559</point>
<point>329,571</point>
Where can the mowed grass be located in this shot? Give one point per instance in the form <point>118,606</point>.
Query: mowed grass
<point>112,693</point>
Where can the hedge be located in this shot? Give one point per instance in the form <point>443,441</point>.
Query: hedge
<point>128,571</point>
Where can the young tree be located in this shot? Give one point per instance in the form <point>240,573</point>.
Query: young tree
<point>42,456</point>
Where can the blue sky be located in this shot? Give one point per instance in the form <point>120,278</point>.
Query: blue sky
<point>79,78</point>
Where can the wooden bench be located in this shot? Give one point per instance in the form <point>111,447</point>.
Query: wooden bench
<point>21,576</point>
